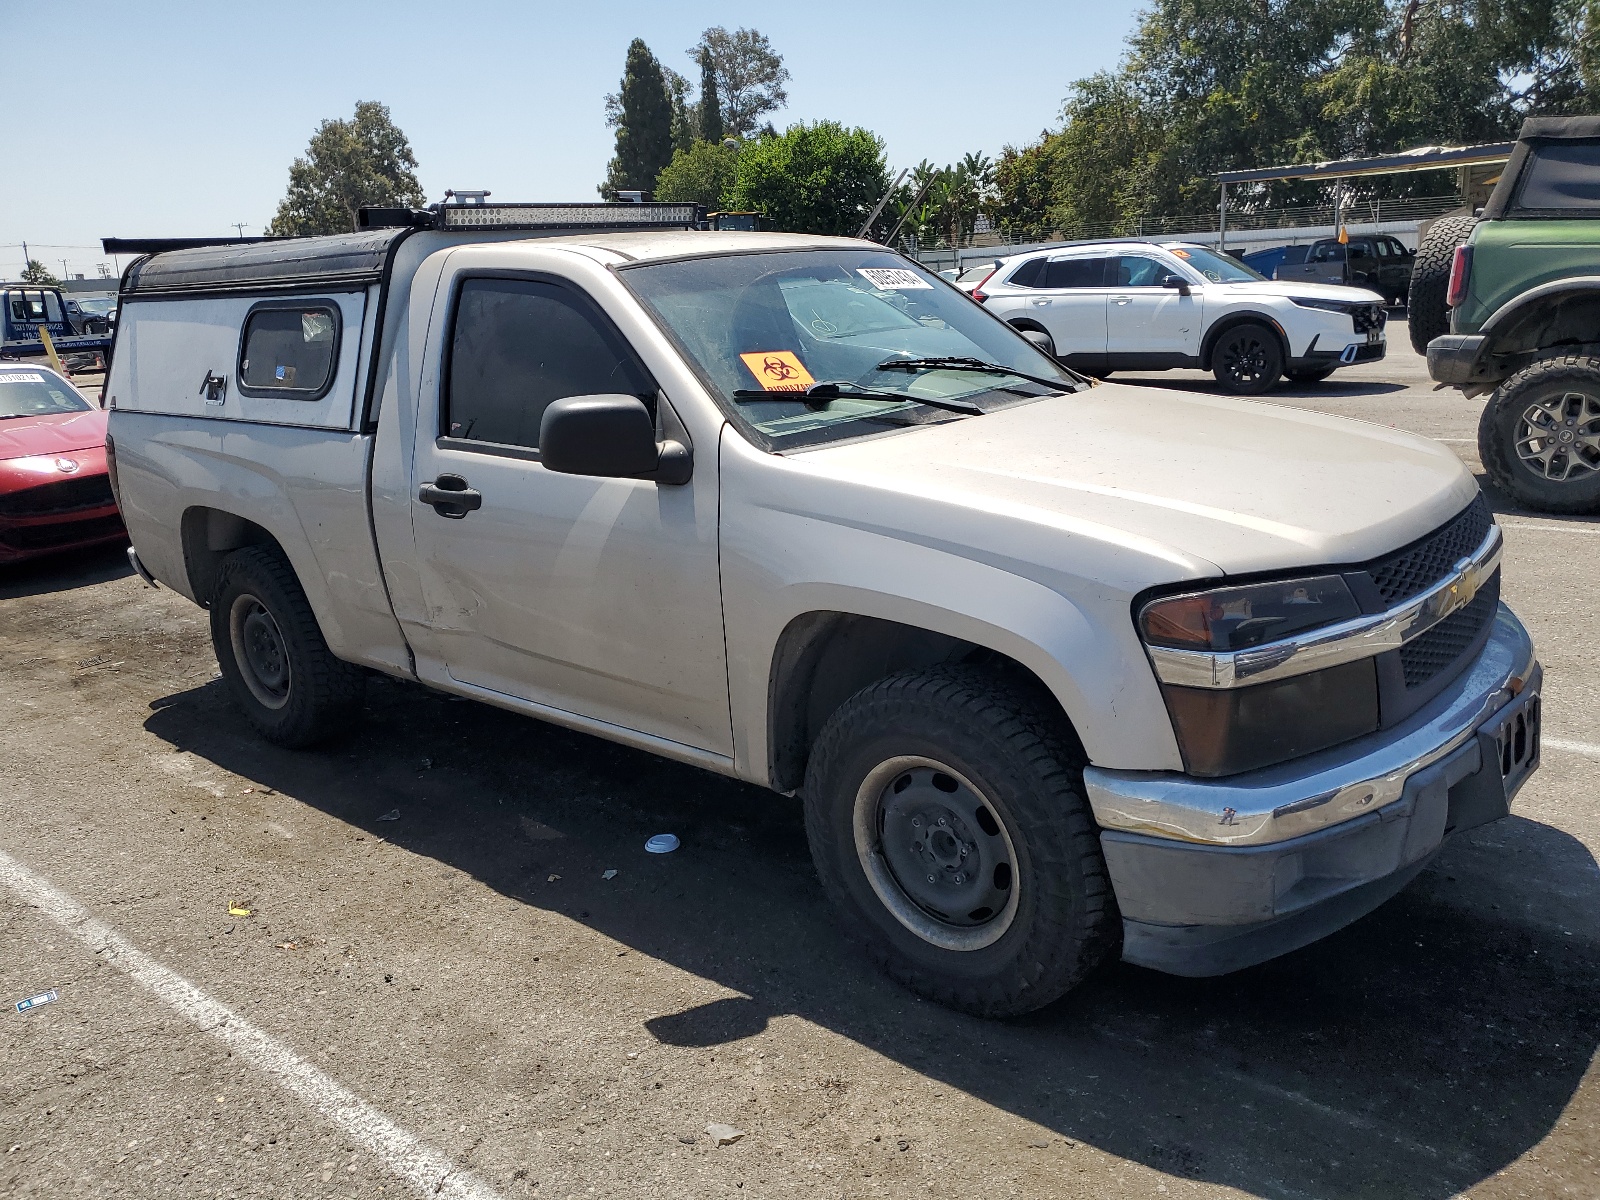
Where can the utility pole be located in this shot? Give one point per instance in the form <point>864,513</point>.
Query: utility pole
<point>239,225</point>
<point>63,263</point>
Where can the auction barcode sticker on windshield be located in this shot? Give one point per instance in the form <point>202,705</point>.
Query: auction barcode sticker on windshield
<point>893,279</point>
<point>21,377</point>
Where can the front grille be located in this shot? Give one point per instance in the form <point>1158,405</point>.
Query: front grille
<point>1435,651</point>
<point>59,533</point>
<point>1369,316</point>
<point>1415,568</point>
<point>62,496</point>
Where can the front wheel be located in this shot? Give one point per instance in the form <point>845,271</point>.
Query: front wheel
<point>272,653</point>
<point>1539,436</point>
<point>1247,359</point>
<point>947,822</point>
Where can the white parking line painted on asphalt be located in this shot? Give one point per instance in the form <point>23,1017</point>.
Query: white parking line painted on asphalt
<point>1590,749</point>
<point>429,1171</point>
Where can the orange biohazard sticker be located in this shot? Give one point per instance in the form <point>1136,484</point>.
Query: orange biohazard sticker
<point>778,370</point>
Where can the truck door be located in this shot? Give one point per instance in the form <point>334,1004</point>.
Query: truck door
<point>1147,320</point>
<point>598,597</point>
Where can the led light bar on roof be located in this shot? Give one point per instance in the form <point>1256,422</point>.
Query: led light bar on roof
<point>568,216</point>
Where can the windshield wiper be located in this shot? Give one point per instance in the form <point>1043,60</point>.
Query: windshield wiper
<point>960,363</point>
<point>822,393</point>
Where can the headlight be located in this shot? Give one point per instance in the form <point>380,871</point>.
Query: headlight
<point>1237,617</point>
<point>1338,306</point>
<point>1223,731</point>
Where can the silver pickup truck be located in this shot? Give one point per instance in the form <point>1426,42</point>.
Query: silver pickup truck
<point>1061,671</point>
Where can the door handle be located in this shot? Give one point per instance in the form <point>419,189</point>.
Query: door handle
<point>450,497</point>
<point>1041,302</point>
<point>1123,299</point>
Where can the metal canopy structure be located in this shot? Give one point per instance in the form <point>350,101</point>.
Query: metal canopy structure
<point>1422,158</point>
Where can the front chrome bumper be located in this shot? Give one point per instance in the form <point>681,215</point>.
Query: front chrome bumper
<point>1214,875</point>
<point>1306,794</point>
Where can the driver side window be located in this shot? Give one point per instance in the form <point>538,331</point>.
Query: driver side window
<point>521,344</point>
<point>1136,270</point>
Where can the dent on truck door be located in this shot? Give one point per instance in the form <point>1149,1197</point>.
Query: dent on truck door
<point>595,596</point>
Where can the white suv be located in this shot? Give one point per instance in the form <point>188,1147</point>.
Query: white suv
<point>1143,306</point>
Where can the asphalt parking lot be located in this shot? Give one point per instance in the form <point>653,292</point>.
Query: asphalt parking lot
<point>436,988</point>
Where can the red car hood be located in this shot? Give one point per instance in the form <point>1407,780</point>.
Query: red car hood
<point>21,437</point>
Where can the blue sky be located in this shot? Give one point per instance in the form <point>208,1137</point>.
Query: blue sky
<point>179,118</point>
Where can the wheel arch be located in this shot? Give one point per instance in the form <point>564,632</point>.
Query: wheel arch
<point>1563,312</point>
<point>208,536</point>
<point>823,657</point>
<point>1233,320</point>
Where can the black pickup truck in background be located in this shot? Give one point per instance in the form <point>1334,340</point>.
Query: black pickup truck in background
<point>1378,262</point>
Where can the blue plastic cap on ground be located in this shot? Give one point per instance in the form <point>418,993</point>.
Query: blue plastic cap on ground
<point>662,843</point>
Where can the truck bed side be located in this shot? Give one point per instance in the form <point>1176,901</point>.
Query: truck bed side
<point>203,470</point>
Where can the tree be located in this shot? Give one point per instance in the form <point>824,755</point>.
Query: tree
<point>36,272</point>
<point>820,178</point>
<point>365,160</point>
<point>702,174</point>
<point>710,106</point>
<point>685,115</point>
<point>1214,85</point>
<point>749,76</point>
<point>643,111</point>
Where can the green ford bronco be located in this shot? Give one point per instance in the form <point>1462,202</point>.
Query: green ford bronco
<point>1508,303</point>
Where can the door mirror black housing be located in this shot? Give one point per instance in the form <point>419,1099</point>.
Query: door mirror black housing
<point>1178,282</point>
<point>609,436</point>
<point>1040,339</point>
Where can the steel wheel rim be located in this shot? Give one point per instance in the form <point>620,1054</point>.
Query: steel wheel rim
<point>259,651</point>
<point>1244,359</point>
<point>1560,437</point>
<point>962,907</point>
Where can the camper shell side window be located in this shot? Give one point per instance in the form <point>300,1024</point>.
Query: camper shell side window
<point>289,349</point>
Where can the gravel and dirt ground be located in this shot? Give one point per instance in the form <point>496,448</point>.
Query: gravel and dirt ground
<point>435,966</point>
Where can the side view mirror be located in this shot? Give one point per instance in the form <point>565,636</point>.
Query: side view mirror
<point>1040,339</point>
<point>612,437</point>
<point>1178,282</point>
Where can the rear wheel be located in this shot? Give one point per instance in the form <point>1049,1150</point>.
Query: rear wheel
<point>1038,337</point>
<point>948,825</point>
<point>1427,313</point>
<point>1247,359</point>
<point>1539,436</point>
<point>273,657</point>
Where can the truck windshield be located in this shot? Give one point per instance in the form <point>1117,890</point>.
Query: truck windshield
<point>36,394</point>
<point>799,346</point>
<point>1218,268</point>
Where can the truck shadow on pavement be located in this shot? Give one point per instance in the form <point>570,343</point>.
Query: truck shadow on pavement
<point>1413,1054</point>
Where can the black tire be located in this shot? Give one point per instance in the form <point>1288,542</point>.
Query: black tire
<point>1428,314</point>
<point>1559,473</point>
<point>960,738</point>
<point>1050,343</point>
<point>1247,359</point>
<point>273,657</point>
<point>1308,375</point>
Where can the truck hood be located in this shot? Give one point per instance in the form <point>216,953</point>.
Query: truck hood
<point>1273,287</point>
<point>58,433</point>
<point>1213,484</point>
